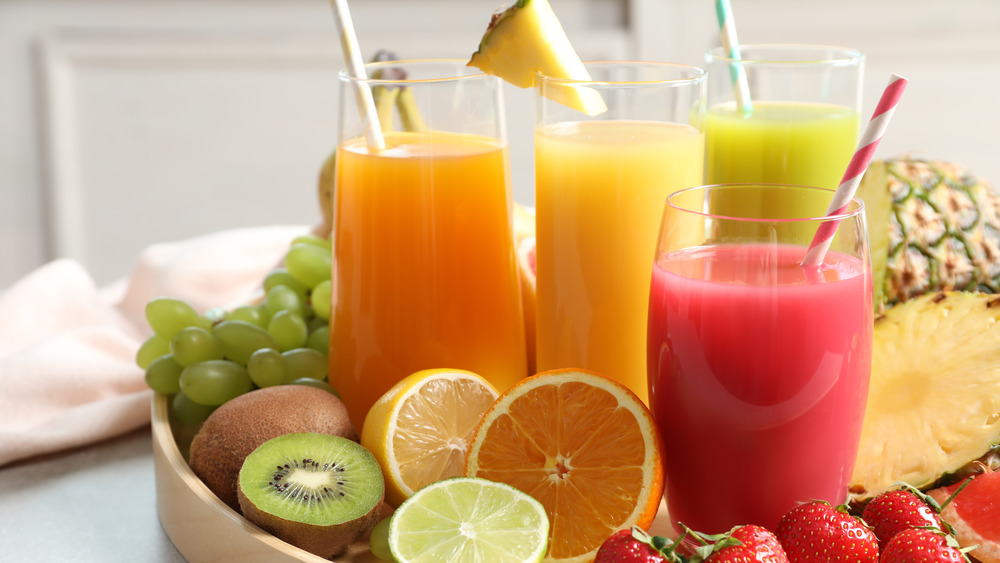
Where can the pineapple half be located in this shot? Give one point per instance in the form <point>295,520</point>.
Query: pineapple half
<point>934,398</point>
<point>525,38</point>
<point>933,226</point>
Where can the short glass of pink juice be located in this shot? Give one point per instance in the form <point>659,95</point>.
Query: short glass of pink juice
<point>758,367</point>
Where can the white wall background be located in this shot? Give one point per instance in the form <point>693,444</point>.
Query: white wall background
<point>128,122</point>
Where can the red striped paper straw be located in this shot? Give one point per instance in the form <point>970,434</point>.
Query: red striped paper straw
<point>356,70</point>
<point>856,169</point>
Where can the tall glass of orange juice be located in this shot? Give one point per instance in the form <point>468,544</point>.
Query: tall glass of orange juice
<point>599,182</point>
<point>424,268</point>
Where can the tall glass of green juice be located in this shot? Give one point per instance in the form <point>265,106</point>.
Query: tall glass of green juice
<point>800,123</point>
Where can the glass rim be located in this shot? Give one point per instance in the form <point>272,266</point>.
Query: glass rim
<point>858,207</point>
<point>836,54</point>
<point>698,74</point>
<point>473,72</point>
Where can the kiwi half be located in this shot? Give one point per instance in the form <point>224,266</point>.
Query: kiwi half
<point>315,491</point>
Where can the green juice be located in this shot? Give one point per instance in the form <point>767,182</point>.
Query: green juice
<point>780,143</point>
<point>807,144</point>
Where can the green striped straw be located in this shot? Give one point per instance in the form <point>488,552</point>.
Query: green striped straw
<point>732,46</point>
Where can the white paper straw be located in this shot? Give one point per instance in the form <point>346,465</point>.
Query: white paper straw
<point>356,70</point>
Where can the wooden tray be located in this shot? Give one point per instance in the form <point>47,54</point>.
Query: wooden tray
<point>205,530</point>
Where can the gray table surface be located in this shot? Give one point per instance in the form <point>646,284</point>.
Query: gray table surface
<point>96,503</point>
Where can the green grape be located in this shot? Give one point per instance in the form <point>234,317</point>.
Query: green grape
<point>378,542</point>
<point>214,382</point>
<point>317,383</point>
<point>314,240</point>
<point>308,263</point>
<point>154,347</point>
<point>194,344</point>
<point>305,362</point>
<point>321,296</point>
<point>319,340</point>
<point>188,412</point>
<point>240,339</point>
<point>288,330</point>
<point>267,367</point>
<point>163,375</point>
<point>282,298</point>
<point>280,276</point>
<point>167,316</point>
<point>248,313</point>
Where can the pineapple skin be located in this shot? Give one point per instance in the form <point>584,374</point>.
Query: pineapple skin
<point>934,225</point>
<point>934,396</point>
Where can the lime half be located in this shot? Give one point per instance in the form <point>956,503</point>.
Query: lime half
<point>469,519</point>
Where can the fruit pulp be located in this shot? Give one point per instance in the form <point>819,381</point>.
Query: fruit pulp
<point>758,377</point>
<point>806,144</point>
<point>599,192</point>
<point>424,267</point>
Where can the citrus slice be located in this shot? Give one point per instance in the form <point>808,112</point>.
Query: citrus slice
<point>973,514</point>
<point>526,38</point>
<point>464,519</point>
<point>419,430</point>
<point>526,268</point>
<point>583,445</point>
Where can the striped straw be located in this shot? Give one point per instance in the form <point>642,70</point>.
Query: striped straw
<point>856,169</point>
<point>731,44</point>
<point>356,70</point>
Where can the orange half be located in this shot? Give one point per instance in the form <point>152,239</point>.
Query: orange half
<point>584,446</point>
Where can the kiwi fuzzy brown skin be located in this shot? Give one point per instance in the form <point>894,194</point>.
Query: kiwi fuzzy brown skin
<point>238,427</point>
<point>324,541</point>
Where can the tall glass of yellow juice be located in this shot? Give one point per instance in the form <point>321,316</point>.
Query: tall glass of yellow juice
<point>424,267</point>
<point>599,180</point>
<point>800,125</point>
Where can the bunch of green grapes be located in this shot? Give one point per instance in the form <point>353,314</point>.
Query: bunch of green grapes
<point>204,360</point>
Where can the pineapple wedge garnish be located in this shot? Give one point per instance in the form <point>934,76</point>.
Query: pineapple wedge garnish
<point>934,398</point>
<point>526,38</point>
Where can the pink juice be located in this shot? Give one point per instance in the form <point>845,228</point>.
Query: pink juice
<point>758,377</point>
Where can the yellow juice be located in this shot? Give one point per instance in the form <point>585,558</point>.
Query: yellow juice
<point>600,187</point>
<point>424,268</point>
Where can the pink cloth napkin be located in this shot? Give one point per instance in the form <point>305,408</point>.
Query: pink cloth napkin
<point>68,376</point>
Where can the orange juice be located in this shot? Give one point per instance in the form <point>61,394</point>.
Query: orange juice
<point>424,266</point>
<point>600,187</point>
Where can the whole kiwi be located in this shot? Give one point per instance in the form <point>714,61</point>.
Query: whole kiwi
<point>238,427</point>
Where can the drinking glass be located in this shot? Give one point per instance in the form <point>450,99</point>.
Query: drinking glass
<point>600,181</point>
<point>758,366</point>
<point>424,269</point>
<point>800,125</point>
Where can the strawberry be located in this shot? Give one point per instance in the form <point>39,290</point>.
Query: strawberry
<point>894,511</point>
<point>742,544</point>
<point>636,546</point>
<point>816,532</point>
<point>922,545</point>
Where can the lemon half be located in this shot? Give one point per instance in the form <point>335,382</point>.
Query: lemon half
<point>420,429</point>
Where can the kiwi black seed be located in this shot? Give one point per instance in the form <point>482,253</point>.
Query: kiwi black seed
<point>237,427</point>
<point>317,492</point>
